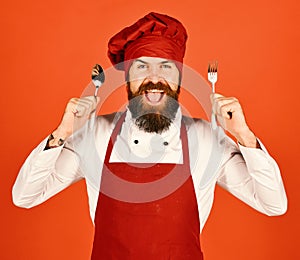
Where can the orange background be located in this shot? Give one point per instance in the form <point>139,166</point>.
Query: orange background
<point>256,43</point>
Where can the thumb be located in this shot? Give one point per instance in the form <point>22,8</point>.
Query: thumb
<point>95,104</point>
<point>214,96</point>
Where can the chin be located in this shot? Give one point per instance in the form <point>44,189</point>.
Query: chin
<point>153,117</point>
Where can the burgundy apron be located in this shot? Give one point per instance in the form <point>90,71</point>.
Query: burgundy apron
<point>163,229</point>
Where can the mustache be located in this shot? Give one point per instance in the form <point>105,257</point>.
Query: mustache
<point>150,85</point>
<point>144,87</point>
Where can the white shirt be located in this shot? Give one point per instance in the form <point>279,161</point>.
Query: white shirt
<point>137,146</point>
<point>248,173</point>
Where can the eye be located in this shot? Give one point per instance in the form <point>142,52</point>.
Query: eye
<point>141,66</point>
<point>166,66</point>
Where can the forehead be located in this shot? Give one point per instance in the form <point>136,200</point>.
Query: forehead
<point>152,60</point>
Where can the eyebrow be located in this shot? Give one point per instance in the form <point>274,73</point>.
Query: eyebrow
<point>141,61</point>
<point>145,62</point>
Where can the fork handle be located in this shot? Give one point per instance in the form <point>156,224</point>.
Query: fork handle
<point>213,121</point>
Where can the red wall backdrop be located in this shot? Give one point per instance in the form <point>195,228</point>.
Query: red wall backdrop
<point>256,43</point>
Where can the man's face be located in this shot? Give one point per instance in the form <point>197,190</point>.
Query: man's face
<point>153,93</point>
<point>145,69</point>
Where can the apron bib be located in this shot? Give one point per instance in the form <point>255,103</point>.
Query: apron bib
<point>164,229</point>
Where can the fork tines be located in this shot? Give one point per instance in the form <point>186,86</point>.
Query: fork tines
<point>213,74</point>
<point>212,67</point>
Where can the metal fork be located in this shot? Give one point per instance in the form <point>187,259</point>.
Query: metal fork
<point>212,78</point>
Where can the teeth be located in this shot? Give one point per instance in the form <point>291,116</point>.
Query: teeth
<point>155,91</point>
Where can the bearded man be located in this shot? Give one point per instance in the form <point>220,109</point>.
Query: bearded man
<point>144,170</point>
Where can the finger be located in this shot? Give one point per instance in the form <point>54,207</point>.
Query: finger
<point>90,103</point>
<point>218,97</point>
<point>80,107</point>
<point>221,101</point>
<point>214,96</point>
<point>94,100</point>
<point>84,109</point>
<point>71,106</point>
<point>227,110</point>
<point>225,99</point>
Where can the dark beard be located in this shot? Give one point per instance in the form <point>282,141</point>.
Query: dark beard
<point>153,119</point>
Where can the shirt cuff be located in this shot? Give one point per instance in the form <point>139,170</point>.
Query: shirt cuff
<point>45,158</point>
<point>256,156</point>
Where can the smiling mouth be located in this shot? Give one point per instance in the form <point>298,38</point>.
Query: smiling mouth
<point>154,96</point>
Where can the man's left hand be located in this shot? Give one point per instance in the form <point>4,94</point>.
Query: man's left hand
<point>231,117</point>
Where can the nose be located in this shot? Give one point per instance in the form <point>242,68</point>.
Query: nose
<point>154,75</point>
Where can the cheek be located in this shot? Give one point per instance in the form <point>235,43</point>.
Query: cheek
<point>137,76</point>
<point>134,85</point>
<point>173,80</point>
<point>174,86</point>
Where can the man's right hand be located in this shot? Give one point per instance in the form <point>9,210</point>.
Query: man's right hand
<point>77,112</point>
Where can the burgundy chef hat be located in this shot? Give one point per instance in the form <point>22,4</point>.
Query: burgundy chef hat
<point>155,35</point>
